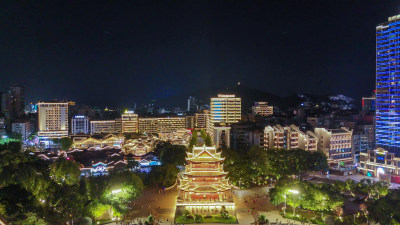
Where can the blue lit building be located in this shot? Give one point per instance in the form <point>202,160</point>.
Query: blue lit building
<point>388,85</point>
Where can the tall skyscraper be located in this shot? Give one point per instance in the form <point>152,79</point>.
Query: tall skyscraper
<point>191,104</point>
<point>387,85</point>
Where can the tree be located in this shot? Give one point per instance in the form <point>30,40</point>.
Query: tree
<point>197,218</point>
<point>132,164</point>
<point>224,213</point>
<point>65,171</point>
<point>171,154</point>
<point>385,210</point>
<point>65,143</point>
<point>208,141</point>
<point>32,219</point>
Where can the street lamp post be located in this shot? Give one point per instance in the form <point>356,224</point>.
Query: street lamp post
<point>294,205</point>
<point>284,209</point>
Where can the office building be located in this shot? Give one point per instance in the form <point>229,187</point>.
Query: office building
<point>118,125</point>
<point>129,122</point>
<point>225,109</point>
<point>102,127</point>
<point>25,129</point>
<point>262,109</point>
<point>148,125</point>
<point>169,124</point>
<point>80,124</point>
<point>190,121</point>
<point>191,104</point>
<point>360,144</point>
<point>336,144</point>
<point>53,119</point>
<point>387,85</point>
<point>201,119</point>
<point>368,103</point>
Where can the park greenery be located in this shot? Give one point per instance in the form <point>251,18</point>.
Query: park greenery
<point>35,191</point>
<point>222,217</point>
<point>329,199</point>
<point>171,156</point>
<point>257,166</point>
<point>65,143</point>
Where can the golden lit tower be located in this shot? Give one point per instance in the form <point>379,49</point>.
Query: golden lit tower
<point>204,182</point>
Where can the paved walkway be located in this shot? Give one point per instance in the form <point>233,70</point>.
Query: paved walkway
<point>355,177</point>
<point>250,204</point>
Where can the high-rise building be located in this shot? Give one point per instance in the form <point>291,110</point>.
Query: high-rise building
<point>191,104</point>
<point>387,85</point>
<point>53,119</point>
<point>5,101</point>
<point>80,125</point>
<point>130,123</point>
<point>17,94</point>
<point>225,109</point>
<point>262,109</point>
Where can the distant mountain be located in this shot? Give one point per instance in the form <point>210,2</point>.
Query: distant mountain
<point>250,95</point>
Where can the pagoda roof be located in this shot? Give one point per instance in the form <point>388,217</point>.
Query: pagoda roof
<point>204,154</point>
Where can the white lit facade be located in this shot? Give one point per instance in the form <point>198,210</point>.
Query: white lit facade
<point>130,123</point>
<point>53,119</point>
<point>80,125</point>
<point>102,127</point>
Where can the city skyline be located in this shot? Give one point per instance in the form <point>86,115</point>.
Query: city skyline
<point>136,52</point>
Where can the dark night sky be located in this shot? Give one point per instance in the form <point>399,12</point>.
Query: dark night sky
<point>121,52</point>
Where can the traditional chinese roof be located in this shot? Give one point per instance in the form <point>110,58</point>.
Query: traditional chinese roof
<point>198,179</point>
<point>204,154</point>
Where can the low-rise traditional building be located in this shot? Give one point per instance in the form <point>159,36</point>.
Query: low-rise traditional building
<point>114,141</point>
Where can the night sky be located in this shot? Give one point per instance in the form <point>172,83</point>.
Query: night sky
<point>120,52</point>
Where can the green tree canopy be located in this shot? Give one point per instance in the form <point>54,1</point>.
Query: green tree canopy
<point>65,143</point>
<point>65,171</point>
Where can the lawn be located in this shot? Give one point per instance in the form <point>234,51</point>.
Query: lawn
<point>212,219</point>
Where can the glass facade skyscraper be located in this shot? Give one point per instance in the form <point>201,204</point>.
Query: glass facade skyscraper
<point>388,85</point>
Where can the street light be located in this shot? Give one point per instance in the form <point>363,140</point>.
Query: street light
<point>294,205</point>
<point>284,209</point>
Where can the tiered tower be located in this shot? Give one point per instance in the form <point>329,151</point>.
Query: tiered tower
<point>204,183</point>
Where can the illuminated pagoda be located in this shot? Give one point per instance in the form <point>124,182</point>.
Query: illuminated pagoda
<point>203,184</point>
